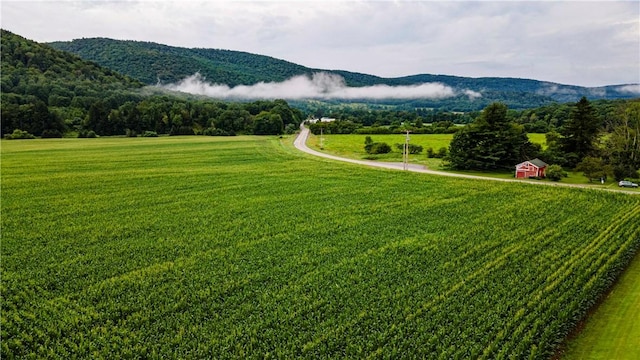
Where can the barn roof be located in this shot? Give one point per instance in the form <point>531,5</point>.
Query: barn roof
<point>537,162</point>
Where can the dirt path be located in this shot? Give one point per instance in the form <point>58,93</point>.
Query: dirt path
<point>301,144</point>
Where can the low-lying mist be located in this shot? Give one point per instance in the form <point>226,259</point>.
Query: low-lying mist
<point>320,85</point>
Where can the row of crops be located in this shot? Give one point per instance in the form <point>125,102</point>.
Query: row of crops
<point>243,248</point>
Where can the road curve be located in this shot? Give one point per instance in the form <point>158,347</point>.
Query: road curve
<point>301,144</point>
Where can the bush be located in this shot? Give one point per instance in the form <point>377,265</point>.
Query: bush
<point>430,153</point>
<point>290,129</point>
<point>217,132</point>
<point>181,130</point>
<point>555,172</point>
<point>150,134</point>
<point>131,133</point>
<point>378,148</point>
<point>442,153</point>
<point>19,134</point>
<point>87,134</point>
<point>51,133</point>
<point>373,130</point>
<point>413,148</point>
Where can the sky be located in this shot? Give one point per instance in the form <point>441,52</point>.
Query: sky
<point>588,43</point>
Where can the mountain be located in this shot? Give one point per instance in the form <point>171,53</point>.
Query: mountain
<point>152,63</point>
<point>53,93</point>
<point>39,85</point>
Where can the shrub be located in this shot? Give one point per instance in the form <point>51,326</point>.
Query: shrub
<point>150,134</point>
<point>19,134</point>
<point>430,153</point>
<point>51,133</point>
<point>181,130</point>
<point>131,133</point>
<point>555,172</point>
<point>217,132</point>
<point>378,148</point>
<point>290,129</point>
<point>413,148</point>
<point>368,140</point>
<point>441,154</point>
<point>87,134</point>
<point>373,130</point>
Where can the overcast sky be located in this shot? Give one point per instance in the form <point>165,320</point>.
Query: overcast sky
<point>591,43</point>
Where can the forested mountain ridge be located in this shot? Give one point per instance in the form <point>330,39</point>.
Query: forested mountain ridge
<point>152,63</point>
<point>51,93</point>
<point>41,85</point>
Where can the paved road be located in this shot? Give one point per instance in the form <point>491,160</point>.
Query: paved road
<point>301,144</point>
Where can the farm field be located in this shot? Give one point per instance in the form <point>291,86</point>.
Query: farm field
<point>241,247</point>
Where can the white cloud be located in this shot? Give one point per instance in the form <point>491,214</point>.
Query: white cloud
<point>472,94</point>
<point>318,86</point>
<point>631,89</point>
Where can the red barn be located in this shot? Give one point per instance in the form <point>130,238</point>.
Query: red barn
<point>531,168</point>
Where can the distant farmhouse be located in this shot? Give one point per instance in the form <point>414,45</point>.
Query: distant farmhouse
<point>531,168</point>
<point>324,119</point>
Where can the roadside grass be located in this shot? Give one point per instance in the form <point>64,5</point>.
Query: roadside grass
<point>241,247</point>
<point>612,331</point>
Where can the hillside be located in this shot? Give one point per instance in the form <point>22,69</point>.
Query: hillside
<point>40,85</point>
<point>153,63</point>
<point>52,93</point>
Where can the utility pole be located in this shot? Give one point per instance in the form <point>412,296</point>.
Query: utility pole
<point>405,153</point>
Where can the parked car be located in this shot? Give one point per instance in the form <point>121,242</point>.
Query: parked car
<point>625,183</point>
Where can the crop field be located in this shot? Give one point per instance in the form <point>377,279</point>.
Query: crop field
<point>241,247</point>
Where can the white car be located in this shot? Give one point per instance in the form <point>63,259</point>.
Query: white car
<point>625,183</point>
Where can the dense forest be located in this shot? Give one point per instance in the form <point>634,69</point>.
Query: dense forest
<point>152,63</point>
<point>48,92</point>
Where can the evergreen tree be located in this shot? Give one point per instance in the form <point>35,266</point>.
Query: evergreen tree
<point>580,132</point>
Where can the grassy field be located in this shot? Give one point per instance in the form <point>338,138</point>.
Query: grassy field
<point>242,247</point>
<point>613,330</point>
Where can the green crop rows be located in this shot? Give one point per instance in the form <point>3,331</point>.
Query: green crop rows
<point>204,247</point>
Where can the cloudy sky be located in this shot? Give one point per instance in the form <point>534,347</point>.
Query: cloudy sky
<point>590,43</point>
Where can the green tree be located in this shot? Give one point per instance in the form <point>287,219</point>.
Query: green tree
<point>267,123</point>
<point>593,168</point>
<point>580,132</point>
<point>623,143</point>
<point>490,142</point>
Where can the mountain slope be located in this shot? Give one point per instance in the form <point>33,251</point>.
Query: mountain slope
<point>37,78</point>
<point>151,62</point>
